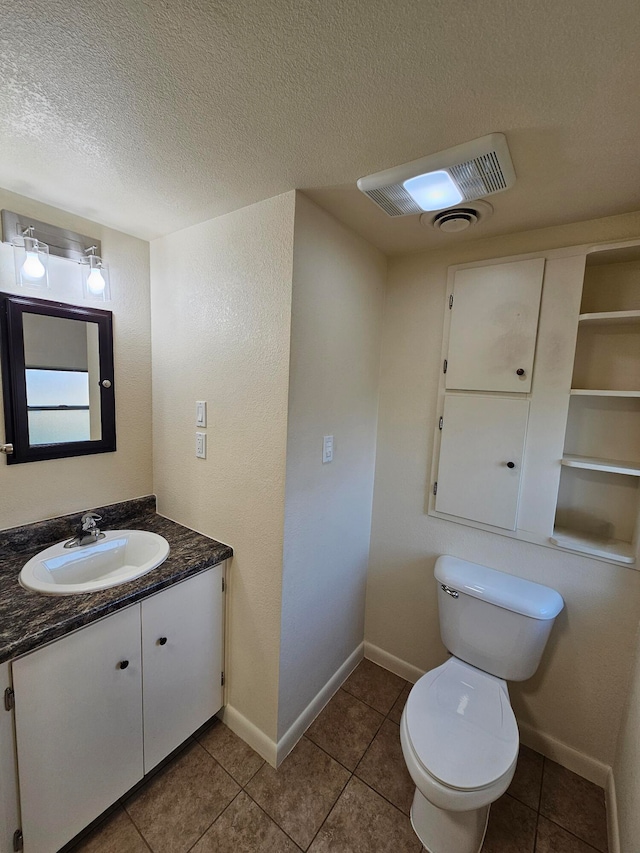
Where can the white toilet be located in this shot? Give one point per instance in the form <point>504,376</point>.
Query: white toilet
<point>458,732</point>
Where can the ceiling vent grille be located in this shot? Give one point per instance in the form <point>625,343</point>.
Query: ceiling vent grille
<point>479,168</point>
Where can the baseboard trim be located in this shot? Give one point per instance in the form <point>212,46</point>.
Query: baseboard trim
<point>249,733</point>
<point>388,661</point>
<point>589,768</point>
<point>293,734</point>
<point>613,827</point>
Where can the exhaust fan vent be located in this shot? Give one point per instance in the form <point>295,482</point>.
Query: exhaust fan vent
<point>456,219</point>
<point>478,168</point>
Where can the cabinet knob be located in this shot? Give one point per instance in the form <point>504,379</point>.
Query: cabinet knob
<point>123,664</point>
<point>511,464</point>
<point>162,641</point>
<point>520,371</point>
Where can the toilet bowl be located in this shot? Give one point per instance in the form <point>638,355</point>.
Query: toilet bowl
<point>458,731</point>
<point>460,744</point>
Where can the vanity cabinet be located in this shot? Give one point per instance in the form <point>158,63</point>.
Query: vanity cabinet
<point>99,708</point>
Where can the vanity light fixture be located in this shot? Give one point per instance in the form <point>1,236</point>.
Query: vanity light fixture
<point>31,258</point>
<point>464,173</point>
<point>95,276</point>
<point>34,241</point>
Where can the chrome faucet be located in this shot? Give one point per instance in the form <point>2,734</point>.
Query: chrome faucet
<point>89,533</point>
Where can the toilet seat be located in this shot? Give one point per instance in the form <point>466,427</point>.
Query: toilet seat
<point>461,727</point>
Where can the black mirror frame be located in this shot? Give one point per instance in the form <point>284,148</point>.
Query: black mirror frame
<point>14,383</point>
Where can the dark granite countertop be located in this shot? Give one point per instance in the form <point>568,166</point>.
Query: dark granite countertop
<point>30,619</point>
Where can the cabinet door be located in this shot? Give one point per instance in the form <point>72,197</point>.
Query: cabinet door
<point>78,728</point>
<point>182,640</point>
<point>9,819</point>
<point>494,323</point>
<point>480,436</point>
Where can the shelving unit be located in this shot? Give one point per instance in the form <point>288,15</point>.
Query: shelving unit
<point>598,507</point>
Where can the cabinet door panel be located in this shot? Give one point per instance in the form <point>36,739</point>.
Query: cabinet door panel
<point>494,323</point>
<point>480,435</point>
<point>78,728</point>
<point>9,820</point>
<point>182,686</point>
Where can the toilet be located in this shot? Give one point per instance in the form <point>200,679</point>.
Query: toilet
<point>458,731</point>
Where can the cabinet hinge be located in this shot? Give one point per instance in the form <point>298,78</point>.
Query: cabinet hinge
<point>451,302</point>
<point>435,488</point>
<point>444,366</point>
<point>224,585</point>
<point>9,699</point>
<point>18,843</point>
<point>222,678</point>
<point>440,423</point>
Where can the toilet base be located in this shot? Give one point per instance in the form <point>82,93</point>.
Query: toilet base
<point>443,831</point>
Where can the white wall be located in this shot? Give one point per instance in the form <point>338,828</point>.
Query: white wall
<point>36,490</point>
<point>221,308</point>
<point>338,291</point>
<point>626,769</point>
<point>576,696</point>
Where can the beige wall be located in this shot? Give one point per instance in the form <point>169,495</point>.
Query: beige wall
<point>576,696</point>
<point>626,769</point>
<point>221,307</point>
<point>338,291</point>
<point>37,490</point>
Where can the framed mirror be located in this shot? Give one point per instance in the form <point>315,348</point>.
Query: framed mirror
<point>57,379</point>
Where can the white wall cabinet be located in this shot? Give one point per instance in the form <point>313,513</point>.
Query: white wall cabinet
<point>494,322</point>
<point>481,458</point>
<point>99,708</point>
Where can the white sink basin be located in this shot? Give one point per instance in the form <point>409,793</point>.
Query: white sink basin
<point>121,556</point>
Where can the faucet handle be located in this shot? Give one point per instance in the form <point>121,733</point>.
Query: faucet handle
<point>89,520</point>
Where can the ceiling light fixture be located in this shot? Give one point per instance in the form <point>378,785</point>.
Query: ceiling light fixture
<point>460,174</point>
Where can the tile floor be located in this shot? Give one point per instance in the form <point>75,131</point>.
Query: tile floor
<point>343,789</point>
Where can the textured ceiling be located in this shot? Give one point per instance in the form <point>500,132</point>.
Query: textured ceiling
<point>151,116</point>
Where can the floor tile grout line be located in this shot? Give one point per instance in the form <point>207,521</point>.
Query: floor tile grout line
<point>214,820</point>
<point>334,804</point>
<point>273,820</point>
<point>572,834</point>
<point>342,687</point>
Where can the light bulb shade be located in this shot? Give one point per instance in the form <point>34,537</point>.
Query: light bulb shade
<point>31,258</point>
<point>434,190</point>
<point>95,280</point>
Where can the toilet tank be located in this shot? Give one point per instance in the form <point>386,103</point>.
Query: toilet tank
<point>494,621</point>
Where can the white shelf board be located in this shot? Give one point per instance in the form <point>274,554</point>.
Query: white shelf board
<point>592,392</point>
<point>610,317</point>
<point>609,549</point>
<point>594,463</point>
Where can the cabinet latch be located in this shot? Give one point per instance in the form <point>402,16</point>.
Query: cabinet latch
<point>224,585</point>
<point>451,302</point>
<point>222,678</point>
<point>435,488</point>
<point>444,366</point>
<point>440,423</point>
<point>18,842</point>
<point>9,699</point>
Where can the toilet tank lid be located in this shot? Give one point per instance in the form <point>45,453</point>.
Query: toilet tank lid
<point>507,591</point>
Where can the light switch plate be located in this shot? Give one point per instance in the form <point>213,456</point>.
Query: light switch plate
<point>201,413</point>
<point>327,449</point>
<point>201,445</point>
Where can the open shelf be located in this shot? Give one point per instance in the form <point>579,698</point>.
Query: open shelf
<point>593,392</point>
<point>601,318</point>
<point>609,549</point>
<point>594,463</point>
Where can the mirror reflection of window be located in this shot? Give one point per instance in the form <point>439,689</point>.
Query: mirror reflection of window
<point>57,406</point>
<point>62,377</point>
